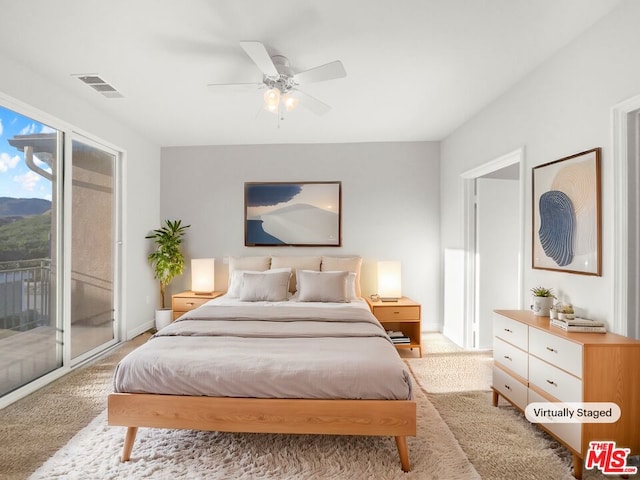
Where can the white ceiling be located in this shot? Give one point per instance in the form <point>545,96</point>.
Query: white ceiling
<point>416,69</point>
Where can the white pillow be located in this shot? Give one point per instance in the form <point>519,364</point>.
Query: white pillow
<point>296,262</point>
<point>322,286</point>
<point>352,292</point>
<point>265,286</point>
<point>236,280</point>
<point>349,264</point>
<point>351,286</point>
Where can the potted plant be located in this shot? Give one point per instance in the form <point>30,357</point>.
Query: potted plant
<point>167,262</point>
<point>542,301</point>
<point>566,313</point>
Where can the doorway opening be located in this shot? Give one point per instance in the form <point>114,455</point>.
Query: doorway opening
<point>494,244</point>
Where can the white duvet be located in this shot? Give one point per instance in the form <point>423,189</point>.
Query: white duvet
<point>229,348</point>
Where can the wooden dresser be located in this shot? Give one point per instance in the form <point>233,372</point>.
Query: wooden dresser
<point>534,362</point>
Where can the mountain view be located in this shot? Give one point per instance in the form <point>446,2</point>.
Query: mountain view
<point>25,227</point>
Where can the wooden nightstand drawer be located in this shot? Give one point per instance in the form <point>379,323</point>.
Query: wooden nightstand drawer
<point>184,302</point>
<point>181,304</point>
<point>397,312</point>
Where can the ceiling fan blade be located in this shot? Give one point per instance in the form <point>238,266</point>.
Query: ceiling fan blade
<point>311,103</point>
<point>258,53</point>
<point>246,86</point>
<point>328,71</point>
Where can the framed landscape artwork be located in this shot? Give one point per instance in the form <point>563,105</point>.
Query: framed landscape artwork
<point>292,214</point>
<point>567,215</point>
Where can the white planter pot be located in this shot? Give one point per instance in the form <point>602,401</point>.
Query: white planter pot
<point>541,306</point>
<point>164,316</point>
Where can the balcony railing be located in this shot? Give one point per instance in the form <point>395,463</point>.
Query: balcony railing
<point>25,294</point>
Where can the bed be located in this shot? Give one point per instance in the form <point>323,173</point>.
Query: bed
<point>277,365</point>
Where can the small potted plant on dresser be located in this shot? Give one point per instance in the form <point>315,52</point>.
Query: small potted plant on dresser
<point>566,312</point>
<point>542,300</point>
<point>167,262</point>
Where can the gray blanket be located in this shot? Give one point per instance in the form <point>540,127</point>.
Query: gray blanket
<point>269,352</point>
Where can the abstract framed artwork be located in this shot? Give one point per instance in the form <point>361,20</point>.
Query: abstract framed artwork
<point>567,215</point>
<point>301,214</point>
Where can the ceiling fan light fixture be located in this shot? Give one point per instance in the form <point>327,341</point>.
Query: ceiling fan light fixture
<point>290,101</point>
<point>272,98</point>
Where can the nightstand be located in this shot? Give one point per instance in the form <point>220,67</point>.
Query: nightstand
<point>186,301</point>
<point>403,315</point>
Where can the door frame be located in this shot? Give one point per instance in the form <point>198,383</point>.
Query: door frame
<point>619,142</point>
<point>469,178</point>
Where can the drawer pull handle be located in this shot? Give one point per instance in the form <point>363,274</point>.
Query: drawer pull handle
<point>551,382</point>
<point>508,357</point>
<point>508,330</point>
<point>507,386</point>
<point>190,303</point>
<point>552,350</point>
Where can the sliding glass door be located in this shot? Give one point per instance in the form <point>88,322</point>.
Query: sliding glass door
<point>93,236</point>
<point>30,328</point>
<point>59,254</point>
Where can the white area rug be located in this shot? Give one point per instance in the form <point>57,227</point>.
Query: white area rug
<point>184,454</point>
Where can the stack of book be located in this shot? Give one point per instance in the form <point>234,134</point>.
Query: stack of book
<point>398,338</point>
<point>579,325</point>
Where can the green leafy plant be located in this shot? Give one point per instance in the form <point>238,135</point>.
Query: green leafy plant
<point>542,292</point>
<point>167,259</point>
<point>567,308</point>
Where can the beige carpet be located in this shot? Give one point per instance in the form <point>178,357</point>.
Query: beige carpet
<point>34,428</point>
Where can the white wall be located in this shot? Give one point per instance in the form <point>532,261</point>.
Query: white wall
<point>141,179</point>
<point>390,205</point>
<point>562,108</point>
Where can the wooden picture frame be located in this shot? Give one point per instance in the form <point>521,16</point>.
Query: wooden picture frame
<point>566,230</point>
<point>301,214</point>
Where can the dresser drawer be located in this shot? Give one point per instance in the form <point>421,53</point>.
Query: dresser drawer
<point>515,333</point>
<point>391,313</point>
<point>511,357</point>
<point>557,383</point>
<point>556,350</point>
<point>184,304</point>
<point>510,388</point>
<point>569,433</point>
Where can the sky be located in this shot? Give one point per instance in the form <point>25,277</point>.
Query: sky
<point>16,179</point>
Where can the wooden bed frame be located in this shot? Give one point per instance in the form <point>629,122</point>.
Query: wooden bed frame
<point>395,418</point>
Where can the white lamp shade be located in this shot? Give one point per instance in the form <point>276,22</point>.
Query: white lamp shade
<point>389,280</point>
<point>202,275</point>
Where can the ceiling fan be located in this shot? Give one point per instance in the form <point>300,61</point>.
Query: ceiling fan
<point>282,83</point>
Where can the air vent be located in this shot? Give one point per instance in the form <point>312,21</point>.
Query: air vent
<point>99,85</point>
